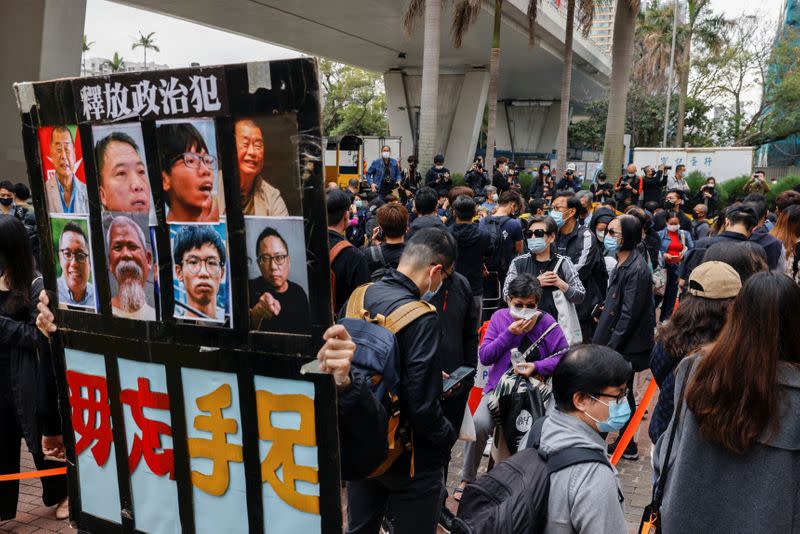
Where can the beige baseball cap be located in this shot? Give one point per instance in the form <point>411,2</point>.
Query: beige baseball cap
<point>714,280</point>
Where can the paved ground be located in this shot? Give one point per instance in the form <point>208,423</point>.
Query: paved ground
<point>32,516</point>
<point>635,478</point>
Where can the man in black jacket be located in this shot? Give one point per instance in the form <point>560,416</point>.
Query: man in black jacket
<point>425,205</point>
<point>476,178</point>
<point>499,178</point>
<point>474,244</point>
<point>438,176</point>
<point>672,202</point>
<point>413,501</point>
<point>348,265</point>
<point>579,245</point>
<point>776,254</point>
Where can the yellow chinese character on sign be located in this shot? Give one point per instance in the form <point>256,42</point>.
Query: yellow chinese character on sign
<point>217,449</point>
<point>281,453</point>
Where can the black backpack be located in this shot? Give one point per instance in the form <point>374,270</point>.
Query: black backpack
<point>499,261</point>
<point>377,263</point>
<point>512,497</point>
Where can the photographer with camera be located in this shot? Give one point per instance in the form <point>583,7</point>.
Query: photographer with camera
<point>438,176</point>
<point>653,183</point>
<point>569,182</point>
<point>708,196</point>
<point>411,180</point>
<point>627,188</point>
<point>757,184</point>
<point>499,178</point>
<point>476,177</point>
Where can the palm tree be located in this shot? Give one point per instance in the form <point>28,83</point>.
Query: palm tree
<point>431,11</point>
<point>115,64</point>
<point>621,66</point>
<point>707,30</point>
<point>653,44</point>
<point>466,13</point>
<point>145,41</point>
<point>85,48</point>
<point>586,14</point>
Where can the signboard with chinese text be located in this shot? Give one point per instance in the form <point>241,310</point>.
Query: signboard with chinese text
<point>184,245</point>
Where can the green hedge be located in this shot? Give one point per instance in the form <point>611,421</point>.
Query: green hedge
<point>730,190</point>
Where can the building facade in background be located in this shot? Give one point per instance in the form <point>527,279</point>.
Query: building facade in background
<point>96,66</point>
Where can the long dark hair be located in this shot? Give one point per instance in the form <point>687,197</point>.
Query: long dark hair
<point>15,253</point>
<point>734,393</point>
<point>695,323</point>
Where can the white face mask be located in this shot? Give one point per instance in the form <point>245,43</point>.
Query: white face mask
<point>439,167</point>
<point>522,313</point>
<point>601,234</point>
<point>385,155</point>
<point>673,227</point>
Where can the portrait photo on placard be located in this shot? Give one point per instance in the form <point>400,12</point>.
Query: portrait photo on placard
<point>190,175</point>
<point>62,169</point>
<point>201,276</point>
<point>74,266</point>
<point>267,158</point>
<point>131,265</point>
<point>122,181</point>
<point>278,275</point>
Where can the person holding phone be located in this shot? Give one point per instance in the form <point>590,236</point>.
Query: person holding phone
<point>535,334</point>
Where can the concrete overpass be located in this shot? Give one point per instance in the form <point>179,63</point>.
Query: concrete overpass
<point>40,40</point>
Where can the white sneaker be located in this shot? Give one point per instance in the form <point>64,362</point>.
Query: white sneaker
<point>488,449</point>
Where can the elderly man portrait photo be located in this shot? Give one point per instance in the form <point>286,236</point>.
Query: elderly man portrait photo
<point>74,286</point>
<point>259,197</point>
<point>199,255</point>
<point>123,183</point>
<point>130,262</point>
<point>65,192</point>
<point>277,303</point>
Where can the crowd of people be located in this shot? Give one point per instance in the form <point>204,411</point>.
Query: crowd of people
<point>573,289</point>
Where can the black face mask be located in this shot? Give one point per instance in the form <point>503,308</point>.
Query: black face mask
<point>669,204</point>
<point>6,201</point>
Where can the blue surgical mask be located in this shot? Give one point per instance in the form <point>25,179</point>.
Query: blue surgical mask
<point>611,244</point>
<point>536,244</point>
<point>358,203</point>
<point>619,412</point>
<point>545,171</point>
<point>429,294</point>
<point>558,217</point>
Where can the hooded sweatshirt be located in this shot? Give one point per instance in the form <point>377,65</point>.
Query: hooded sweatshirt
<point>474,244</point>
<point>586,497</point>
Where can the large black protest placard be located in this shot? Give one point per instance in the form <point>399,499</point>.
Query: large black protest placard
<point>184,241</point>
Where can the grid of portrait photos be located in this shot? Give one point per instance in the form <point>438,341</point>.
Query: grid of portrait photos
<point>162,178</point>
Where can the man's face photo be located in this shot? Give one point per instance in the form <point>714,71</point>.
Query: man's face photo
<point>124,186</point>
<point>130,263</point>
<point>201,272</point>
<point>274,262</point>
<point>74,259</point>
<point>249,149</point>
<point>62,153</point>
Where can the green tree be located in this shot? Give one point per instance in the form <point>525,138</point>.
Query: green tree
<point>355,101</point>
<point>115,64</point>
<point>87,45</point>
<point>146,42</point>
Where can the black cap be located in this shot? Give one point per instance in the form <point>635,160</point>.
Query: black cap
<point>438,158</point>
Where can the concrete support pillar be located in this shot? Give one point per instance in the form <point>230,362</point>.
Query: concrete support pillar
<point>547,141</point>
<point>39,40</point>
<point>398,110</point>
<point>467,120</point>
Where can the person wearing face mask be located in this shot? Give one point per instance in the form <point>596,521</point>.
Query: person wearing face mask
<point>602,216</point>
<point>678,182</point>
<point>554,272</point>
<point>412,495</point>
<point>653,183</point>
<point>708,196</point>
<point>499,178</point>
<point>628,188</point>
<point>627,321</point>
<point>577,243</point>
<point>543,185</point>
<point>601,189</point>
<point>672,202</point>
<point>570,181</point>
<point>675,243</point>
<point>519,327</point>
<point>589,388</point>
<point>7,204</point>
<point>491,199</point>
<point>438,176</point>
<point>476,177</point>
<point>383,174</point>
<point>411,181</point>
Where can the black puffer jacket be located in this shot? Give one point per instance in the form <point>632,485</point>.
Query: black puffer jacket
<point>420,387</point>
<point>581,247</point>
<point>627,322</point>
<point>474,244</point>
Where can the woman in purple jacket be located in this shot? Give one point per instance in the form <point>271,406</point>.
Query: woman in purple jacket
<point>519,326</point>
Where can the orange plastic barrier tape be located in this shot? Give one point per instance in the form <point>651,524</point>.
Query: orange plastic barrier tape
<point>635,422</point>
<point>35,474</point>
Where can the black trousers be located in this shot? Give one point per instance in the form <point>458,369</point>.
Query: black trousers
<point>411,504</point>
<point>54,489</point>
